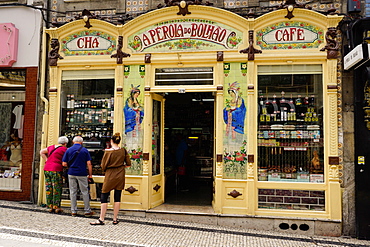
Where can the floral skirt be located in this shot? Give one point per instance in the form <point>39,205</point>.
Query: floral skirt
<point>53,184</point>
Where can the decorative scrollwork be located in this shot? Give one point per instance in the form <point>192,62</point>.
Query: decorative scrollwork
<point>131,189</point>
<point>250,50</point>
<point>87,16</point>
<point>290,5</point>
<point>250,170</point>
<point>234,194</point>
<point>156,187</point>
<point>219,168</point>
<point>120,54</point>
<point>54,53</point>
<point>332,46</point>
<point>333,172</point>
<point>184,5</point>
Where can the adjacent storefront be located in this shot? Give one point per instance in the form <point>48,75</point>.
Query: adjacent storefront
<point>19,48</point>
<point>357,61</point>
<point>240,111</point>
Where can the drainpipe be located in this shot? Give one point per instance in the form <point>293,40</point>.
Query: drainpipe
<point>45,118</point>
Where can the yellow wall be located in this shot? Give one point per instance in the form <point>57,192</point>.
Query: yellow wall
<point>246,204</point>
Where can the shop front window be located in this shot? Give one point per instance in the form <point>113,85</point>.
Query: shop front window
<point>290,124</point>
<point>12,96</point>
<point>87,105</point>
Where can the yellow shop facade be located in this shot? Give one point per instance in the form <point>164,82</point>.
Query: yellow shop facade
<point>237,114</point>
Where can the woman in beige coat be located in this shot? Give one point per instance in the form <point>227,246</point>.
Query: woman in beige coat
<point>114,162</point>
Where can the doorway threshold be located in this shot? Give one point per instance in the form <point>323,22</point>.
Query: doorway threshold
<point>183,209</point>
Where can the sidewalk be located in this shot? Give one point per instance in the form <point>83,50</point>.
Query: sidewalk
<point>30,222</point>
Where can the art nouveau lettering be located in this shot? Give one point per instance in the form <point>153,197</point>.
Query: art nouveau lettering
<point>182,30</point>
<point>87,42</point>
<point>290,34</point>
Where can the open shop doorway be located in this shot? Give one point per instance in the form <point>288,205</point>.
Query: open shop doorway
<point>189,148</point>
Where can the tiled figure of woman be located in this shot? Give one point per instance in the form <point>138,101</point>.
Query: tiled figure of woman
<point>234,116</point>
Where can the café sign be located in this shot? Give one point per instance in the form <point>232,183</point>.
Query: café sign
<point>8,44</point>
<point>185,34</point>
<point>290,35</point>
<point>88,43</point>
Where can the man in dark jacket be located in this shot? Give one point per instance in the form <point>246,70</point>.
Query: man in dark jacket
<point>78,161</point>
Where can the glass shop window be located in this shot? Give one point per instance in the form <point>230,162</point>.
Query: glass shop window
<point>290,123</point>
<point>184,76</point>
<point>12,99</point>
<point>87,110</point>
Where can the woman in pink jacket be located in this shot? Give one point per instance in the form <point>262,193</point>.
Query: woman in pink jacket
<point>53,171</point>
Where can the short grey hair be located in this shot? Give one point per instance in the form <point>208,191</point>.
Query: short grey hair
<point>78,139</point>
<point>63,140</point>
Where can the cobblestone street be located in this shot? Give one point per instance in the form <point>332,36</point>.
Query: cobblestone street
<point>32,225</point>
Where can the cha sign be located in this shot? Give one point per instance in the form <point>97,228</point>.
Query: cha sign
<point>185,34</point>
<point>88,43</point>
<point>290,35</point>
<point>8,44</point>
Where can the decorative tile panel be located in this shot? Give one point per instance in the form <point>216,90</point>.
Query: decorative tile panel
<point>135,6</point>
<point>291,199</point>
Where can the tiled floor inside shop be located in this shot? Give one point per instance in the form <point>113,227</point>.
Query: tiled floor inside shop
<point>195,197</point>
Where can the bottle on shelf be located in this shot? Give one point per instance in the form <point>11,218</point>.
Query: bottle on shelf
<point>96,120</point>
<point>68,101</point>
<point>86,117</point>
<point>68,116</point>
<point>298,100</point>
<point>261,100</point>
<point>263,110</point>
<point>112,102</point>
<point>274,116</point>
<point>283,114</point>
<point>104,116</point>
<point>293,116</point>
<point>109,104</point>
<point>109,118</point>
<point>282,100</point>
<point>312,101</point>
<point>262,118</point>
<point>306,101</point>
<point>72,103</point>
<point>260,105</point>
<point>315,117</point>
<point>92,103</point>
<point>81,117</point>
<point>268,117</point>
<point>71,119</point>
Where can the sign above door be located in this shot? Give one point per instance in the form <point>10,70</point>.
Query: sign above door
<point>290,35</point>
<point>185,34</point>
<point>88,42</point>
